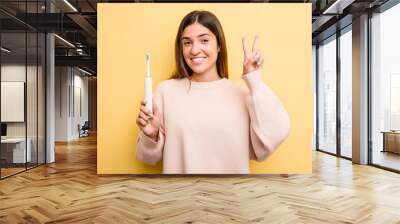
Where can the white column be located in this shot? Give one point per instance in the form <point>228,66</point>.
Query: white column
<point>50,92</point>
<point>50,110</point>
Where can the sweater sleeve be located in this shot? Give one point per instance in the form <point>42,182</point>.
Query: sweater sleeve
<point>148,150</point>
<point>269,120</point>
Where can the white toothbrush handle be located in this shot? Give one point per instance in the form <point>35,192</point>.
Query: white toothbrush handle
<point>148,94</point>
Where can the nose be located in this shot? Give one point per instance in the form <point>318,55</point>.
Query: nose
<point>195,49</point>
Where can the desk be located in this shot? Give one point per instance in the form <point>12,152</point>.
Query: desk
<point>17,151</point>
<point>391,141</point>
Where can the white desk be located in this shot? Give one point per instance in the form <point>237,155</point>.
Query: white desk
<point>19,149</point>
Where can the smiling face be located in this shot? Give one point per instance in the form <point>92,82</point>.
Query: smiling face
<point>200,49</point>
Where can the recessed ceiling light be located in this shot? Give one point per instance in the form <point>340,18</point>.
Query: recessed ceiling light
<point>84,71</point>
<point>70,5</point>
<point>5,50</point>
<point>64,40</point>
<point>338,6</point>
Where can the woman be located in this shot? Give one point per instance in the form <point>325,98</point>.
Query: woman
<point>202,122</point>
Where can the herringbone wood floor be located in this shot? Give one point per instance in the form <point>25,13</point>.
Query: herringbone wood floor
<point>69,191</point>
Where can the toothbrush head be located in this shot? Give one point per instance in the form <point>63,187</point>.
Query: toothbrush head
<point>148,56</point>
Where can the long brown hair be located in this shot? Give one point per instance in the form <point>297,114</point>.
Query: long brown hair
<point>210,21</point>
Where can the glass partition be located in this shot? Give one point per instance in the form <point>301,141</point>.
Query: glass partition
<point>32,95</point>
<point>13,104</point>
<point>22,88</point>
<point>327,95</point>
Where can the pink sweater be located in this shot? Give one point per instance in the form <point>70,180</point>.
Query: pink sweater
<point>214,127</point>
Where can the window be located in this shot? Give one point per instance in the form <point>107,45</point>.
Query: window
<point>385,88</point>
<point>346,92</point>
<point>327,95</point>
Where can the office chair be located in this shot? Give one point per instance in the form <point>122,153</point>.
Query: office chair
<point>84,130</point>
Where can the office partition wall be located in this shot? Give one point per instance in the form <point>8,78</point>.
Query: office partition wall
<point>22,74</point>
<point>14,147</point>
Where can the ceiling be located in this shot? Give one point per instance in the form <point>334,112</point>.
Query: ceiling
<point>76,22</point>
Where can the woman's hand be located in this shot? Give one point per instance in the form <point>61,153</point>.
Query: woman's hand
<point>253,60</point>
<point>149,123</point>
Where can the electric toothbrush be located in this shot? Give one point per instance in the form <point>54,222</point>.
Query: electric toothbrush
<point>148,86</point>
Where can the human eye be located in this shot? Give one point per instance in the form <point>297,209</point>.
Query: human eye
<point>204,41</point>
<point>186,43</point>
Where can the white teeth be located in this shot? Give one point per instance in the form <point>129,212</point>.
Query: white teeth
<point>198,59</point>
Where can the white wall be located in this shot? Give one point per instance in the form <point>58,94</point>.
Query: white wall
<point>16,73</point>
<point>62,81</point>
<point>33,127</point>
<point>71,94</point>
<point>81,103</point>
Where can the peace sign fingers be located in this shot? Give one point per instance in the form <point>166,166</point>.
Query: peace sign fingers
<point>245,49</point>
<point>252,60</point>
<point>255,44</point>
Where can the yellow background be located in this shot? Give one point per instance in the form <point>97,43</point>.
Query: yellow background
<point>127,31</point>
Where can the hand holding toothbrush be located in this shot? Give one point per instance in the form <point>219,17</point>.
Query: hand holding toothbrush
<point>148,122</point>
<point>149,115</point>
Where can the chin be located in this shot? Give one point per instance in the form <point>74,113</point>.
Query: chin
<point>197,69</point>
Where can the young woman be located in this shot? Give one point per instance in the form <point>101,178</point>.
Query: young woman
<point>202,122</point>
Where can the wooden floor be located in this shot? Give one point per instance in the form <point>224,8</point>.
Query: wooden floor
<point>5,172</point>
<point>69,191</point>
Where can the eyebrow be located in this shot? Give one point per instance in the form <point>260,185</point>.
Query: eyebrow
<point>201,35</point>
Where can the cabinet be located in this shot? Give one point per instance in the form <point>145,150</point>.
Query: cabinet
<point>391,141</point>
